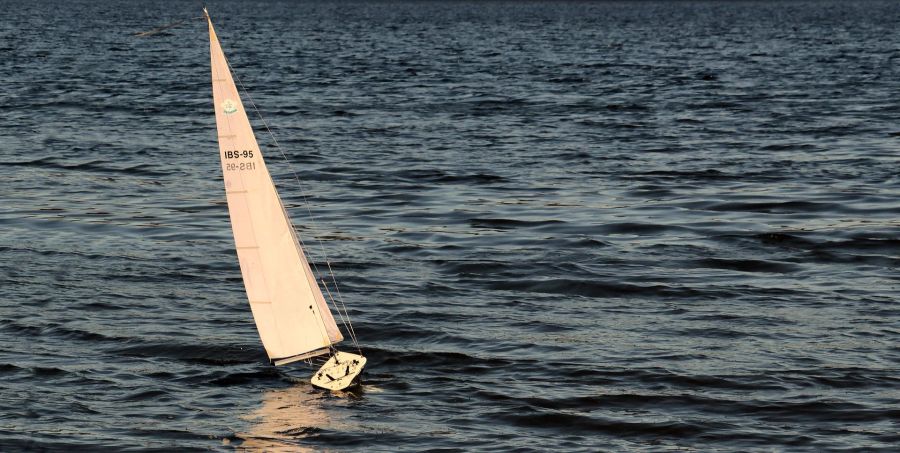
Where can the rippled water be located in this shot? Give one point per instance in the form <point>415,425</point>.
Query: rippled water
<point>578,226</point>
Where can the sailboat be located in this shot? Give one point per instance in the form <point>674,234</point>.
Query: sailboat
<point>291,314</point>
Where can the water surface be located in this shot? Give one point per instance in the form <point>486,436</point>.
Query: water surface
<point>577,226</point>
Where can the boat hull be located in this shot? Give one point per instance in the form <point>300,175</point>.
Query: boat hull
<point>339,372</point>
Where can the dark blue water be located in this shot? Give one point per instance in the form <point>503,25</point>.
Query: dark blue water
<point>567,226</point>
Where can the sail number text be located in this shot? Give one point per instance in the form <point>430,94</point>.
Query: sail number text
<point>247,153</point>
<point>241,166</point>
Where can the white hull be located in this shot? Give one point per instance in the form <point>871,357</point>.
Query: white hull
<point>339,372</point>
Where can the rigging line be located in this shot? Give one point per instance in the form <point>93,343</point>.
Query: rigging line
<point>296,178</point>
<point>350,328</point>
<point>340,300</point>
<point>344,320</point>
<point>284,157</point>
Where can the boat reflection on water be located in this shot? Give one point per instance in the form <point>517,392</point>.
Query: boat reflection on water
<point>287,416</point>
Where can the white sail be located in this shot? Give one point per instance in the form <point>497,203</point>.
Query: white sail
<point>293,320</point>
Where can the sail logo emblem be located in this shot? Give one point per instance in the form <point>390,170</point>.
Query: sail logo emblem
<point>229,106</point>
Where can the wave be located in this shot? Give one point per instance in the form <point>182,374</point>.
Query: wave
<point>747,265</point>
<point>440,176</point>
<point>95,166</point>
<point>597,289</point>
<point>505,224</point>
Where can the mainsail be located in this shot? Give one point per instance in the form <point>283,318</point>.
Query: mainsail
<point>293,320</point>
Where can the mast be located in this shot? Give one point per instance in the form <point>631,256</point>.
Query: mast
<point>291,315</point>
